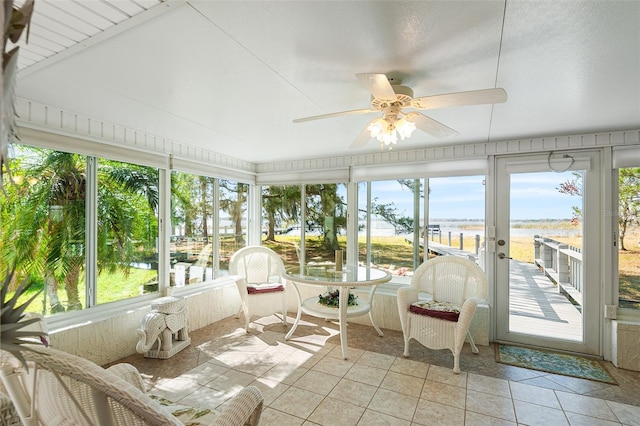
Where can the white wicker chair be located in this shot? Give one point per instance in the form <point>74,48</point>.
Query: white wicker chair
<point>261,269</point>
<point>60,388</point>
<point>449,279</point>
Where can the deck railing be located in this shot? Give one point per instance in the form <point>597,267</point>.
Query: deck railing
<point>562,263</point>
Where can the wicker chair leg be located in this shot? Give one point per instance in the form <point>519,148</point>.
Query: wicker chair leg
<point>474,348</point>
<point>456,363</point>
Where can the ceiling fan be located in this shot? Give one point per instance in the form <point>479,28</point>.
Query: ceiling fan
<point>391,98</point>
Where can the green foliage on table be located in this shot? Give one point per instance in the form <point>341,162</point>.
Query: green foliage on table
<point>332,299</point>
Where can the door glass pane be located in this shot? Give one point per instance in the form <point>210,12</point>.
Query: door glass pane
<point>545,246</point>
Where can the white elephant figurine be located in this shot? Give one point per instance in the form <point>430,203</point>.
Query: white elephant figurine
<point>165,325</point>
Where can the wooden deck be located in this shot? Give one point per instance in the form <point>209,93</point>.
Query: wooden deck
<point>443,249</point>
<point>537,308</point>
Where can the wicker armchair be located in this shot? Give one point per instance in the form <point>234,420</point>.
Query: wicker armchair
<point>60,388</point>
<point>437,309</point>
<point>262,289</point>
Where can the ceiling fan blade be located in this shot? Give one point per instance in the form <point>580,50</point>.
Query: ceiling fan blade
<point>364,136</point>
<point>334,114</point>
<point>378,85</point>
<point>431,126</point>
<point>472,97</point>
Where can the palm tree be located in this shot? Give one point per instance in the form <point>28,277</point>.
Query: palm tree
<point>43,219</point>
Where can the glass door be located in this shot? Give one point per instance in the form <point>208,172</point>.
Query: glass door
<point>547,251</point>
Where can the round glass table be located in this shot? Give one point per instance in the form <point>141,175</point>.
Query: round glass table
<point>350,276</point>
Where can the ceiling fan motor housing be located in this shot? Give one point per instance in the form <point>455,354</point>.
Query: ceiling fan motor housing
<point>404,95</point>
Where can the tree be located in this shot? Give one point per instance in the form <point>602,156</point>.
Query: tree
<point>390,214</point>
<point>233,201</point>
<point>281,204</point>
<point>573,187</point>
<point>628,198</point>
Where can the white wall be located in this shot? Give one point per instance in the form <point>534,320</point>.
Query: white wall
<point>114,337</point>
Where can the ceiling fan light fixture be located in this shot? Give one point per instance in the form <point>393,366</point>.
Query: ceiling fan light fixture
<point>387,132</point>
<point>405,128</point>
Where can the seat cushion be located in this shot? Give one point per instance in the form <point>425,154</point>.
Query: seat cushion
<point>442,310</point>
<point>191,416</point>
<point>264,288</point>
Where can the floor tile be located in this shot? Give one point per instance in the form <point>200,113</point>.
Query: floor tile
<point>317,382</point>
<point>297,402</point>
<point>275,417</point>
<point>377,360</point>
<point>305,381</point>
<point>625,413</point>
<point>394,403</point>
<point>491,405</point>
<point>446,375</point>
<point>335,366</point>
<point>353,392</point>
<point>585,405</point>
<point>366,374</point>
<point>375,418</point>
<point>432,413</point>
<point>534,395</point>
<point>536,415</point>
<point>332,411</point>
<point>410,367</point>
<point>477,419</point>
<point>402,383</point>
<point>443,393</point>
<point>490,385</point>
<point>580,420</point>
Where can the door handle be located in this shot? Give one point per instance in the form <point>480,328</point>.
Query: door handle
<point>503,256</point>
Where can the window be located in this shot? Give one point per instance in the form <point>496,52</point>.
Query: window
<point>321,219</point>
<point>388,212</point>
<point>281,218</point>
<point>45,224</point>
<point>209,223</point>
<point>391,218</point>
<point>234,220</point>
<point>629,238</point>
<point>127,237</point>
<point>191,242</point>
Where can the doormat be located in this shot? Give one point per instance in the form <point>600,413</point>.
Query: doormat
<point>553,362</point>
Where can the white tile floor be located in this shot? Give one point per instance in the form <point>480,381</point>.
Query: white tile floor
<point>305,381</point>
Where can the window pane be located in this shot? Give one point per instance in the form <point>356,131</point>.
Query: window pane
<point>629,241</point>
<point>325,223</point>
<point>391,225</point>
<point>43,227</point>
<point>127,230</point>
<point>456,214</point>
<point>281,211</point>
<point>233,220</point>
<point>191,242</point>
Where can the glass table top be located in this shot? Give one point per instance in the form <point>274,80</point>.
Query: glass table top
<point>350,275</point>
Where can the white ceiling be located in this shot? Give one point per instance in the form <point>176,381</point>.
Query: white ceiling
<point>229,76</point>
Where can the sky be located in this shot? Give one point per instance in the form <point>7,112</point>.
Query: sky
<point>533,196</point>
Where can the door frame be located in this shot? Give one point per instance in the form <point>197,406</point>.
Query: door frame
<point>498,209</point>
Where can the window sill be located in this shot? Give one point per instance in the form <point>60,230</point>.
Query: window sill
<point>68,320</point>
